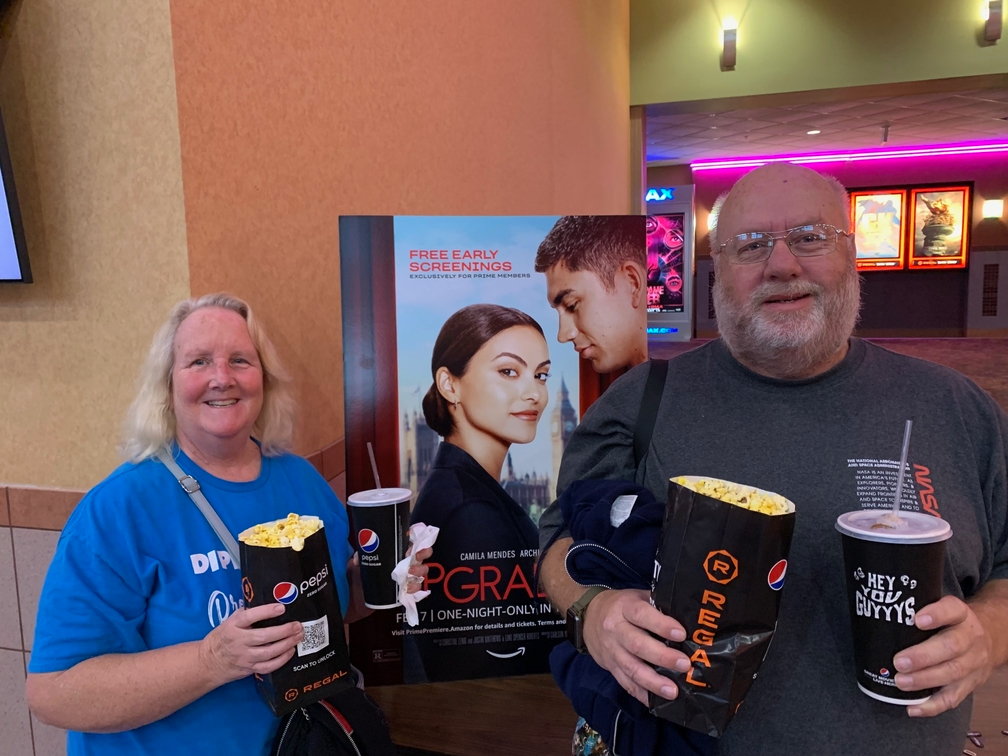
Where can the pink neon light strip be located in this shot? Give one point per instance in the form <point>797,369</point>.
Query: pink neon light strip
<point>854,157</point>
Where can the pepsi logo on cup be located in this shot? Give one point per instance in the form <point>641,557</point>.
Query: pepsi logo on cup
<point>368,540</point>
<point>775,579</point>
<point>285,592</point>
<point>883,672</point>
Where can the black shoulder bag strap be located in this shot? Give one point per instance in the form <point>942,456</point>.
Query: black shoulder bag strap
<point>643,430</point>
<point>648,414</point>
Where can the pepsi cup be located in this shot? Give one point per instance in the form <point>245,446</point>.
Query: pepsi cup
<point>379,523</point>
<point>303,582</point>
<point>892,573</point>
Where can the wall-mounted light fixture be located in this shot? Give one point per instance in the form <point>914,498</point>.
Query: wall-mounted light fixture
<point>729,42</point>
<point>993,208</point>
<point>992,20</point>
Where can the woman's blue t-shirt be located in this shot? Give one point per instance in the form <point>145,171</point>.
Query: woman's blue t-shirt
<point>138,567</point>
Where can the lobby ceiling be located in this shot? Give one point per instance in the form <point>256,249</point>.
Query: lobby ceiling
<point>912,120</point>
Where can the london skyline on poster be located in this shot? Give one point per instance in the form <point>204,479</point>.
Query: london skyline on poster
<point>443,264</point>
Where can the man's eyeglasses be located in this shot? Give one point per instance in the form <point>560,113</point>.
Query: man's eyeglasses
<point>804,241</point>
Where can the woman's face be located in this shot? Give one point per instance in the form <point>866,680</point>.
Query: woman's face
<point>217,379</point>
<point>503,392</point>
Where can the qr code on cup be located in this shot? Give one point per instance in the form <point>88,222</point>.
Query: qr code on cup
<point>316,636</point>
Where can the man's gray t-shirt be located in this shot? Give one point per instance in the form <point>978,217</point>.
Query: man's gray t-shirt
<point>830,444</point>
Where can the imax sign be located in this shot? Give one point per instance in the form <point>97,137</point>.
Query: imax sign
<point>660,195</point>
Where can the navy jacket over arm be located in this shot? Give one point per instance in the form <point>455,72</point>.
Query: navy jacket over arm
<point>617,557</point>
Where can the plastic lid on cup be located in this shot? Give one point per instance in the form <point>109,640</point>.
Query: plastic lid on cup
<point>377,497</point>
<point>919,528</point>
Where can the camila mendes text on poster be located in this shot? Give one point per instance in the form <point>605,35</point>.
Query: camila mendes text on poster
<point>487,404</point>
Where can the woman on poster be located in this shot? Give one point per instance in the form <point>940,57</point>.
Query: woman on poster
<point>489,366</point>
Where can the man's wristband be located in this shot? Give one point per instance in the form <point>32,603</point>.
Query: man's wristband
<point>575,617</point>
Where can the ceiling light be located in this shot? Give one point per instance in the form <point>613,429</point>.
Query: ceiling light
<point>975,148</point>
<point>813,132</point>
<point>993,208</point>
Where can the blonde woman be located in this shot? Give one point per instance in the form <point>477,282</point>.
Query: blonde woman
<point>142,645</point>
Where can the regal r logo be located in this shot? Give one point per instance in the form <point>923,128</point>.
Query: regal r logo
<point>721,567</point>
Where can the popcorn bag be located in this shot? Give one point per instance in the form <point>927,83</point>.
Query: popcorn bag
<point>721,562</point>
<point>288,561</point>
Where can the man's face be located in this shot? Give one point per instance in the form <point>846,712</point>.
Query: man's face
<point>609,328</point>
<point>786,315</point>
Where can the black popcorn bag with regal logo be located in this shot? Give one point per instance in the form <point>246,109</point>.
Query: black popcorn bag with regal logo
<point>303,582</point>
<point>719,571</point>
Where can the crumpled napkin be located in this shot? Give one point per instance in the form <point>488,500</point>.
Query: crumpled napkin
<point>422,537</point>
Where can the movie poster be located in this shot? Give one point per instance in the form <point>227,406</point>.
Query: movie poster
<point>469,302</point>
<point>665,259</point>
<point>878,218</point>
<point>940,230</point>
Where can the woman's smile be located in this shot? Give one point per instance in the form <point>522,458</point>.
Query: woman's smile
<point>528,415</point>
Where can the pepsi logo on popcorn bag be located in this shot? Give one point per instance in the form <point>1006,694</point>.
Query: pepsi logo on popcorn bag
<point>775,579</point>
<point>285,592</point>
<point>368,540</point>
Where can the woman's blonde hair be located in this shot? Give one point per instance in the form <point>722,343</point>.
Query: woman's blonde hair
<point>150,422</point>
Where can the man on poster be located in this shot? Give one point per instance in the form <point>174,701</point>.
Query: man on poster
<point>596,279</point>
<point>788,401</point>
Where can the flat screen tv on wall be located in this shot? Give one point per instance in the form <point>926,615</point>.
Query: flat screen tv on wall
<point>14,266</point>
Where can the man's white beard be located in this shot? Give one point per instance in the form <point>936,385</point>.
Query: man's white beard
<point>788,344</point>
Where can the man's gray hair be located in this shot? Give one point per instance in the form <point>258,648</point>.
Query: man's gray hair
<point>838,189</point>
<point>150,423</point>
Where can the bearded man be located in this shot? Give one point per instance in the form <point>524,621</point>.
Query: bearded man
<point>788,400</point>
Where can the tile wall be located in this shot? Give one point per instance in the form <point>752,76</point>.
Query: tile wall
<point>31,520</point>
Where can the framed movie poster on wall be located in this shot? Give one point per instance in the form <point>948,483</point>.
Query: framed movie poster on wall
<point>665,262</point>
<point>941,225</point>
<point>879,222</point>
